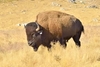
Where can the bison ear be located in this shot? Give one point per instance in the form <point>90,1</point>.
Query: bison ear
<point>24,25</point>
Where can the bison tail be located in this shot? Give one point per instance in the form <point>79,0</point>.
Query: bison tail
<point>82,29</point>
<point>80,24</point>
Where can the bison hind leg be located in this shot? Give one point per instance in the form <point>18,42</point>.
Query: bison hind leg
<point>76,39</point>
<point>63,42</point>
<point>64,45</point>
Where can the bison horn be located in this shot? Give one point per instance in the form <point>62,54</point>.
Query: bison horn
<point>37,29</point>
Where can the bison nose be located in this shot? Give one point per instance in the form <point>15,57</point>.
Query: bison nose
<point>29,42</point>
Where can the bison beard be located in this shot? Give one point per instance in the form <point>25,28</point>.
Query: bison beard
<point>53,26</point>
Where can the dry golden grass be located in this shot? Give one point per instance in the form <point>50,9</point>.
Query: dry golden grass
<point>4,1</point>
<point>15,52</point>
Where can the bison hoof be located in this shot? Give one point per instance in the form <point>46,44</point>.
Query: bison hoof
<point>64,46</point>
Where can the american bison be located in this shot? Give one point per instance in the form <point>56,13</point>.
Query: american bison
<point>53,26</point>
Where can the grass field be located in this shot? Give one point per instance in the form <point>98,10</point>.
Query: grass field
<point>15,52</point>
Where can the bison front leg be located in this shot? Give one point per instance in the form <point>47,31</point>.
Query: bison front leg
<point>49,47</point>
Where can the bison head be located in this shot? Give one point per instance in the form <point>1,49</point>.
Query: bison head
<point>34,34</point>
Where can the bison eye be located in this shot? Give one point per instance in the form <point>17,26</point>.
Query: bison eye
<point>34,35</point>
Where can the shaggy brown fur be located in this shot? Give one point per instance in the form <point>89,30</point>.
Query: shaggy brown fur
<point>62,26</point>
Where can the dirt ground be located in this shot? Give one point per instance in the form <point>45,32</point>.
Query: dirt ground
<point>15,52</point>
